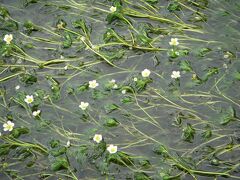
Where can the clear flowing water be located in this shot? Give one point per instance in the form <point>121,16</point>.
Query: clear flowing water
<point>164,126</point>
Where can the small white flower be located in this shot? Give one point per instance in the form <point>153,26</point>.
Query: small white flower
<point>29,99</point>
<point>8,126</point>
<point>84,105</point>
<point>226,56</point>
<point>97,138</point>
<point>66,67</point>
<point>17,87</point>
<point>36,113</point>
<point>61,57</point>
<point>0,133</point>
<point>93,84</point>
<point>113,9</point>
<point>175,74</point>
<point>135,79</point>
<point>112,149</point>
<point>8,38</point>
<point>225,66</point>
<point>115,86</point>
<point>174,42</point>
<point>124,91</point>
<point>113,81</point>
<point>68,144</point>
<point>146,73</point>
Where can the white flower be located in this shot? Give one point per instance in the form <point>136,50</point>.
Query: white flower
<point>97,138</point>
<point>226,56</point>
<point>175,74</point>
<point>135,79</point>
<point>61,57</point>
<point>84,105</point>
<point>17,87</point>
<point>113,9</point>
<point>115,86</point>
<point>174,42</point>
<point>66,67</point>
<point>8,38</point>
<point>29,99</point>
<point>8,126</point>
<point>113,81</point>
<point>124,91</point>
<point>93,84</point>
<point>68,144</point>
<point>146,73</point>
<point>36,113</point>
<point>112,149</point>
<point>225,65</point>
<point>0,133</point>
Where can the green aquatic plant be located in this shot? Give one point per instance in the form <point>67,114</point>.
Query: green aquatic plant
<point>119,89</point>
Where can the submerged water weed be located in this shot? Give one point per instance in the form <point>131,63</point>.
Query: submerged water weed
<point>119,89</point>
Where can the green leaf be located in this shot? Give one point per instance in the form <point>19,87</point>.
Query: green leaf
<point>58,152</point>
<point>141,176</point>
<point>141,84</point>
<point>3,12</point>
<point>185,66</point>
<point>8,25</point>
<point>81,88</point>
<point>59,163</point>
<point>111,122</point>
<point>81,23</point>
<point>237,75</point>
<point>210,72</point>
<point>188,133</point>
<point>30,27</point>
<point>160,150</point>
<point>16,132</point>
<point>227,115</point>
<point>28,79</point>
<point>203,52</point>
<point>174,7</point>
<point>112,55</point>
<point>110,107</point>
<point>67,40</point>
<point>120,158</point>
<point>54,143</point>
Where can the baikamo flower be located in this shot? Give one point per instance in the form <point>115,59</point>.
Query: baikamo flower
<point>174,42</point>
<point>97,138</point>
<point>113,9</point>
<point>29,99</point>
<point>68,144</point>
<point>93,84</point>
<point>84,105</point>
<point>8,38</point>
<point>146,73</point>
<point>8,126</point>
<point>112,149</point>
<point>36,113</point>
<point>175,74</point>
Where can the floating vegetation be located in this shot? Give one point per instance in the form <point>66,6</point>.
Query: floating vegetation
<point>119,89</point>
